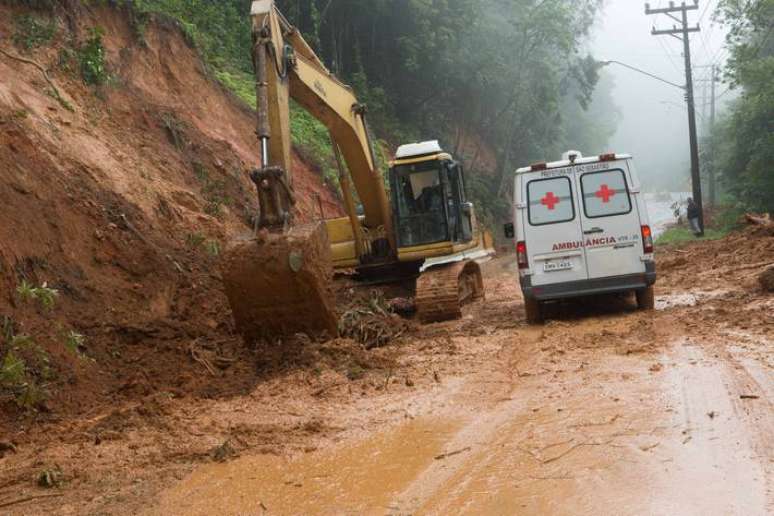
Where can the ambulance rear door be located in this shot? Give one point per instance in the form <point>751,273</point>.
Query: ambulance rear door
<point>550,220</point>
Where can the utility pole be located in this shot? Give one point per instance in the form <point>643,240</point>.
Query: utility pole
<point>712,170</point>
<point>704,128</point>
<point>708,125</point>
<point>683,8</point>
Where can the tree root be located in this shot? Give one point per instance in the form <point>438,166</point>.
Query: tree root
<point>43,71</point>
<point>29,499</point>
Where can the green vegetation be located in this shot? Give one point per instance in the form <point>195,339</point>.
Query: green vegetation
<point>44,295</point>
<point>32,31</point>
<point>74,342</point>
<point>25,367</point>
<point>195,240</point>
<point>745,138</point>
<point>198,240</point>
<point>91,58</point>
<point>213,191</point>
<point>679,234</point>
<point>309,136</point>
<point>428,70</point>
<point>213,248</point>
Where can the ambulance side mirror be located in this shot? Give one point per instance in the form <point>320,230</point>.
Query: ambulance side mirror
<point>510,231</point>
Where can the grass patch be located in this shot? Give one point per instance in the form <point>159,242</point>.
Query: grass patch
<point>308,135</point>
<point>678,235</point>
<point>24,369</point>
<point>44,295</point>
<point>31,32</point>
<point>213,191</point>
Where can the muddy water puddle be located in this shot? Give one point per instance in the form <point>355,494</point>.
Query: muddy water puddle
<point>676,300</point>
<point>357,479</point>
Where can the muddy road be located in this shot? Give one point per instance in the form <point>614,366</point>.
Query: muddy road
<point>603,410</point>
<point>624,413</point>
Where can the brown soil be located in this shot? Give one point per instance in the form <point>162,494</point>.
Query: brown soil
<point>122,205</point>
<point>599,408</point>
<point>604,409</point>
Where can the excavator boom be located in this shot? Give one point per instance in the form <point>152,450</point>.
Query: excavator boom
<point>279,281</point>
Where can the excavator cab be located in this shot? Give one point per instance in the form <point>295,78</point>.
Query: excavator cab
<point>428,194</point>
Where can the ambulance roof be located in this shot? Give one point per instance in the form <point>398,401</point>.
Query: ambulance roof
<point>578,161</point>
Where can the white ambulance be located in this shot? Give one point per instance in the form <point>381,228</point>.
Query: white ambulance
<point>581,227</point>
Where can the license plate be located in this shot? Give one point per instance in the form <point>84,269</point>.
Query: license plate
<point>558,265</point>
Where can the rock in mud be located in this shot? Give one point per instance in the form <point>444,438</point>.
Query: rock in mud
<point>766,279</point>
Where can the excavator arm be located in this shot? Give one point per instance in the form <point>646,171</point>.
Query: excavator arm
<point>286,67</point>
<point>279,281</point>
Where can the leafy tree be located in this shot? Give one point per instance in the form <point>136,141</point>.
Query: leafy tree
<point>746,136</point>
<point>499,82</point>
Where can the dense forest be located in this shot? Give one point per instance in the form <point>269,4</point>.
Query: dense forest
<point>745,137</point>
<point>500,82</point>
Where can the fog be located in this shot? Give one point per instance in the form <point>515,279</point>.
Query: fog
<point>654,120</point>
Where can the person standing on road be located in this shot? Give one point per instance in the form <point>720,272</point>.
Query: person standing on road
<point>693,217</point>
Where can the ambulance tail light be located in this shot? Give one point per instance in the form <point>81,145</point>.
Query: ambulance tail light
<point>607,157</point>
<point>521,255</point>
<point>647,240</point>
<point>538,166</point>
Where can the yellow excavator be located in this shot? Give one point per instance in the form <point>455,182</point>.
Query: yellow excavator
<point>279,281</point>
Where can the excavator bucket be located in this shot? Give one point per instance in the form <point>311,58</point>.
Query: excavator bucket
<point>281,284</point>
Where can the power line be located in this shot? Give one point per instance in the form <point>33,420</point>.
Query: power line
<point>683,33</point>
<point>764,40</point>
<point>704,12</point>
<point>669,55</point>
<point>724,92</point>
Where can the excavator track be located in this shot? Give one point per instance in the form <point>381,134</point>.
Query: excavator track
<point>443,291</point>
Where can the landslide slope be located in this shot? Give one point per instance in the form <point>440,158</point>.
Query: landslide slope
<point>119,197</point>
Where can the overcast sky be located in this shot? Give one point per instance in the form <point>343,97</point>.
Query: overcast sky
<point>654,124</point>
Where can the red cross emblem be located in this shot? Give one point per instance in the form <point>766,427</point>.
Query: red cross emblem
<point>550,201</point>
<point>605,193</point>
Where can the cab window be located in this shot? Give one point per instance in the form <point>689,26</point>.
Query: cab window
<point>550,201</point>
<point>605,194</point>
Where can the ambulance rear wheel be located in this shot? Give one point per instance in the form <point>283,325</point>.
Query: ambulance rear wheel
<point>646,299</point>
<point>534,311</point>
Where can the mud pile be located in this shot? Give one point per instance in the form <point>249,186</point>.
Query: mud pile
<point>737,258</point>
<point>120,198</point>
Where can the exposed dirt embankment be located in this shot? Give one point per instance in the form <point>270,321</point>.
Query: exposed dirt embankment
<point>121,205</point>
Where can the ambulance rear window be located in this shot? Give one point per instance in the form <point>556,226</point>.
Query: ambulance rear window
<point>550,201</point>
<point>605,194</point>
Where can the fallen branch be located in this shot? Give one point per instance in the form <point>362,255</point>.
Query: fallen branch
<point>753,266</point>
<point>758,220</point>
<point>322,390</point>
<point>196,354</point>
<point>451,454</point>
<point>29,499</point>
<point>570,450</point>
<point>43,71</point>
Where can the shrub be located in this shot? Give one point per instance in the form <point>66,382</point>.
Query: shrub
<point>91,58</point>
<point>44,295</point>
<point>32,31</point>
